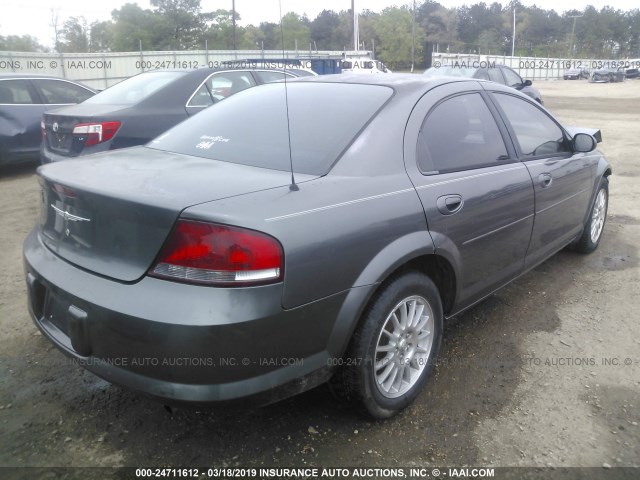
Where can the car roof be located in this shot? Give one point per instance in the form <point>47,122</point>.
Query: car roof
<point>34,75</point>
<point>398,81</point>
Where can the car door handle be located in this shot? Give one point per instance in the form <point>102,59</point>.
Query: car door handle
<point>545,180</point>
<point>449,204</point>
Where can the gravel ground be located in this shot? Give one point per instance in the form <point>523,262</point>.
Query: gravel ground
<point>544,373</point>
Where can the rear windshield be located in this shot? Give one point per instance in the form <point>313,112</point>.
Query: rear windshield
<point>134,89</point>
<point>250,128</point>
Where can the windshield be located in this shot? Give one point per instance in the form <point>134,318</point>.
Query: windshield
<point>134,89</point>
<point>450,71</point>
<point>250,128</point>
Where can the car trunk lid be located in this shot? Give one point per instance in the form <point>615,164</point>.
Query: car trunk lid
<point>111,213</point>
<point>59,125</point>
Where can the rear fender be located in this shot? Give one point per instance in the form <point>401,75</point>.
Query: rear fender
<point>385,263</point>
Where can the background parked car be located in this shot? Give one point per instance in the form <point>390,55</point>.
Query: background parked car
<point>23,100</point>
<point>414,203</point>
<point>632,73</point>
<point>607,75</point>
<point>499,74</point>
<point>576,74</point>
<point>140,108</point>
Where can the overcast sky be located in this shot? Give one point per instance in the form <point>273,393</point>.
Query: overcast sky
<point>33,17</point>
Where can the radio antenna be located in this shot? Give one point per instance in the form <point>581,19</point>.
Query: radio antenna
<point>293,186</point>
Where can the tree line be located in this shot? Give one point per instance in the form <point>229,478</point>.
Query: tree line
<point>393,34</point>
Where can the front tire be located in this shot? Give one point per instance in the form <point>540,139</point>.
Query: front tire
<point>594,227</point>
<point>393,350</point>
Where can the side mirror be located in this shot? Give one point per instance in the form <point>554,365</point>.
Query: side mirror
<point>527,83</point>
<point>583,142</point>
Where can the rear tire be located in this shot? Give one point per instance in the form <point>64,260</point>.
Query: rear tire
<point>393,350</point>
<point>592,234</point>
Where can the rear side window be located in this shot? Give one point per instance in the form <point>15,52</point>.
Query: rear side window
<point>536,133</point>
<point>459,134</point>
<point>135,89</point>
<point>512,78</point>
<point>220,86</point>
<point>495,75</point>
<point>58,92</point>
<point>482,74</point>
<point>450,71</point>
<point>15,92</point>
<point>269,77</point>
<point>251,128</point>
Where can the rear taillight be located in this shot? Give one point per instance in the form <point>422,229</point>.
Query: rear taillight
<point>43,132</point>
<point>96,132</point>
<point>208,253</point>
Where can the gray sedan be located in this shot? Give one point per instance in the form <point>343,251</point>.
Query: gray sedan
<point>608,75</point>
<point>251,253</point>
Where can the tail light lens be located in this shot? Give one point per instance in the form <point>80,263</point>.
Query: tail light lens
<point>208,253</point>
<point>96,132</point>
<point>43,132</point>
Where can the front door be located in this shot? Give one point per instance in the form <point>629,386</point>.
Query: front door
<point>478,198</point>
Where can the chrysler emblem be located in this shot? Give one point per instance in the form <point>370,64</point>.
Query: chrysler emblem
<point>68,216</point>
<point>55,127</point>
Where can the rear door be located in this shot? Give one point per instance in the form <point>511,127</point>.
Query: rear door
<point>478,198</point>
<point>20,114</point>
<point>562,179</point>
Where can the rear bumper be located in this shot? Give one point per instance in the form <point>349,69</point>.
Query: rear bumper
<point>177,342</point>
<point>47,156</point>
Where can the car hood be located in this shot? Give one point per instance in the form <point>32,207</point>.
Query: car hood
<point>110,213</point>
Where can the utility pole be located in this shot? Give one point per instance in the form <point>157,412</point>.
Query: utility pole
<point>233,19</point>
<point>355,25</point>
<point>513,37</point>
<point>573,29</point>
<point>413,37</point>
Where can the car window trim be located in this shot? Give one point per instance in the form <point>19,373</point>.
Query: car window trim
<point>510,151</point>
<point>514,138</point>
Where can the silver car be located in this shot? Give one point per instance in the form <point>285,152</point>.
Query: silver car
<point>253,253</point>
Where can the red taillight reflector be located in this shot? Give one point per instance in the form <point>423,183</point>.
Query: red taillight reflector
<point>209,253</point>
<point>96,132</point>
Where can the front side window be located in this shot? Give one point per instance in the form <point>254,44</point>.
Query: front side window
<point>536,132</point>
<point>56,92</point>
<point>15,92</point>
<point>460,133</point>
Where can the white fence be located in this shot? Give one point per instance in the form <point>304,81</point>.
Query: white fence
<point>532,68</point>
<point>101,70</point>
